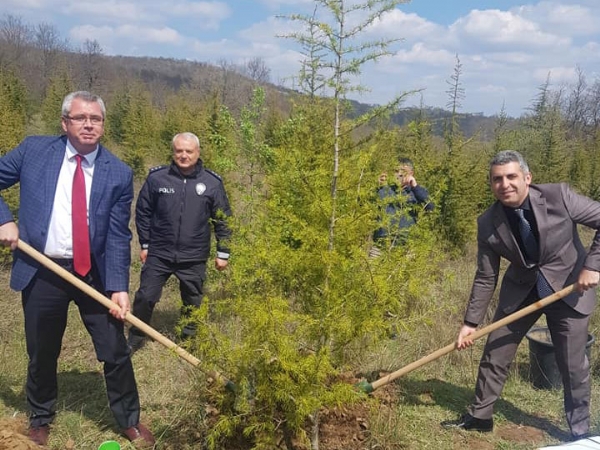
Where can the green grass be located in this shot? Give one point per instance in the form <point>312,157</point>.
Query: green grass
<point>403,415</point>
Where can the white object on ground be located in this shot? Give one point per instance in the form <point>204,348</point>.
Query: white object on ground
<point>590,443</point>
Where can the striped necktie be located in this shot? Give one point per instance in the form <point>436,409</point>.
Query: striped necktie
<point>532,251</point>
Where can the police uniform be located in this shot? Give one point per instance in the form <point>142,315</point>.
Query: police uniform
<point>174,217</point>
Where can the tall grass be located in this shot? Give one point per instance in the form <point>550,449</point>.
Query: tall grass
<point>525,417</point>
<point>404,415</point>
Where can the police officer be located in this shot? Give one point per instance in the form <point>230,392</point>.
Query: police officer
<point>175,211</point>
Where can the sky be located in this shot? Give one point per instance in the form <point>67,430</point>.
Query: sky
<point>507,49</point>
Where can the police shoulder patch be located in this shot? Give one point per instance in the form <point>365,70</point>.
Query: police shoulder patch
<point>216,175</point>
<point>155,168</point>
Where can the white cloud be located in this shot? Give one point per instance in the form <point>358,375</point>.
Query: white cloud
<point>269,29</point>
<point>127,33</point>
<point>571,19</point>
<point>509,58</point>
<point>27,4</point>
<point>398,24</point>
<point>206,15</point>
<point>110,10</point>
<point>422,54</point>
<point>558,74</point>
<point>492,89</point>
<point>495,29</point>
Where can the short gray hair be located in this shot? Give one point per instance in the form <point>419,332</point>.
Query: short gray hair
<point>508,156</point>
<point>86,97</point>
<point>188,136</point>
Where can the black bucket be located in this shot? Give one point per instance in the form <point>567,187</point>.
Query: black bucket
<point>543,371</point>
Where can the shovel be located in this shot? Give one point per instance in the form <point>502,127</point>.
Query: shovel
<point>139,324</point>
<point>367,387</point>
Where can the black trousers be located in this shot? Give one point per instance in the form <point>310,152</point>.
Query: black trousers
<point>45,305</point>
<point>155,273</point>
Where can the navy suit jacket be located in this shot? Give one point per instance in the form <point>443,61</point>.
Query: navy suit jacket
<point>558,210</point>
<point>35,164</point>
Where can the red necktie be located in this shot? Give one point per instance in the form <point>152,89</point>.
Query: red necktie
<point>81,237</point>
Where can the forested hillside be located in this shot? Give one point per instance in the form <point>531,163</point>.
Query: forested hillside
<point>303,303</point>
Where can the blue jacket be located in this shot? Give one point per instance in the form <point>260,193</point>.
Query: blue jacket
<point>400,209</point>
<point>35,164</point>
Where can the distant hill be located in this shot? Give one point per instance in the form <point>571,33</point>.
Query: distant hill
<point>90,69</point>
<point>178,74</point>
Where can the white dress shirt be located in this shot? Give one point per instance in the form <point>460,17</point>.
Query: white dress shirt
<point>60,232</point>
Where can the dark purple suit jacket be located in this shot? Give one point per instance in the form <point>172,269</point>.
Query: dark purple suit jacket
<point>558,210</point>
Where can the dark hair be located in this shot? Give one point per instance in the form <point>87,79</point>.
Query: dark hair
<point>508,156</point>
<point>406,162</point>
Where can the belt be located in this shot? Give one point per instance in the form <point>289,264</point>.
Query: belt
<point>63,262</point>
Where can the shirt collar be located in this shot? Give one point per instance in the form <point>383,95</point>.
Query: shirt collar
<point>526,206</point>
<point>90,157</point>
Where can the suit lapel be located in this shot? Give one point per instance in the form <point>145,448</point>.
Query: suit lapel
<point>53,166</point>
<point>99,180</point>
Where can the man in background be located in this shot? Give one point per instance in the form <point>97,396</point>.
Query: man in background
<point>175,211</point>
<point>75,205</point>
<point>534,227</point>
<point>400,202</point>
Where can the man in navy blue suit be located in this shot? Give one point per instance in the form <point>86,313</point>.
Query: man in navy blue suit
<point>44,167</point>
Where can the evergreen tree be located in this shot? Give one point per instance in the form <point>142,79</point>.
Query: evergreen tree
<point>13,117</point>
<point>13,110</point>
<point>58,87</point>
<point>543,139</point>
<point>303,296</point>
<point>462,187</point>
<point>134,124</point>
<point>183,113</point>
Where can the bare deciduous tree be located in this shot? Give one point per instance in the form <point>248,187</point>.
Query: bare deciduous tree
<point>257,70</point>
<point>577,105</point>
<point>91,67</point>
<point>594,105</point>
<point>15,39</point>
<point>50,44</point>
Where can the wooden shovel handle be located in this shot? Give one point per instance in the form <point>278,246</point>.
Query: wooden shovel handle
<point>89,290</point>
<point>476,335</point>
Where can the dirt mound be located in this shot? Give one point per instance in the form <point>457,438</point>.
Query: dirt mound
<point>13,436</point>
<point>344,428</point>
<point>347,427</point>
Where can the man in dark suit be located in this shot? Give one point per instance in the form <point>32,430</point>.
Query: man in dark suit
<point>534,227</point>
<point>45,168</point>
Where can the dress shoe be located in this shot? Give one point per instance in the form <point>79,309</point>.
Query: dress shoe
<point>470,423</point>
<point>140,436</point>
<point>135,342</point>
<point>577,437</point>
<point>39,435</point>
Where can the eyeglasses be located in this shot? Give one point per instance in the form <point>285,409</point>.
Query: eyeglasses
<point>80,120</point>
